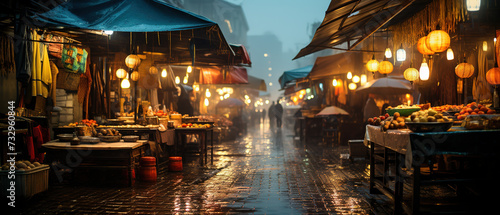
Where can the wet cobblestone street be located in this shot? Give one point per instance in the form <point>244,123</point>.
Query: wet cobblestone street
<point>264,172</point>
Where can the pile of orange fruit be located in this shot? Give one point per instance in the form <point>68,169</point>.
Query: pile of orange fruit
<point>472,109</point>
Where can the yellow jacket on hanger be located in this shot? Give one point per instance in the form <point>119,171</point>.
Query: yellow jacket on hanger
<point>41,75</point>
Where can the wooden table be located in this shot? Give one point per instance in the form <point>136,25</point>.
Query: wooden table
<point>202,134</point>
<point>121,154</point>
<point>405,149</point>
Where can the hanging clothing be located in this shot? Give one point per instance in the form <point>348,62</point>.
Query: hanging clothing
<point>23,52</point>
<point>41,75</point>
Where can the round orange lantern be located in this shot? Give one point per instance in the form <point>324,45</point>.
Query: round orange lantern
<point>411,74</point>
<point>134,76</point>
<point>132,61</point>
<point>372,65</point>
<point>437,41</point>
<point>493,76</point>
<point>153,70</point>
<point>464,70</point>
<point>121,73</point>
<point>385,67</point>
<point>422,47</point>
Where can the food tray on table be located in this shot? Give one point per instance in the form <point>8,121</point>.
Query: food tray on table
<point>65,137</point>
<point>429,126</point>
<point>401,111</point>
<point>111,138</point>
<point>130,138</point>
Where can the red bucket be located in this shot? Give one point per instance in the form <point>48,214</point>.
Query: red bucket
<point>175,164</point>
<point>147,171</point>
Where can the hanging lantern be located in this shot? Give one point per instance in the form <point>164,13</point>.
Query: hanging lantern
<point>493,75</point>
<point>164,73</point>
<point>411,74</point>
<point>449,54</point>
<point>349,75</point>
<point>185,79</point>
<point>132,61</point>
<point>372,65</point>
<point>401,54</point>
<point>422,48</point>
<point>352,86</point>
<point>121,73</point>
<point>125,84</point>
<point>189,69</point>
<point>485,46</point>
<point>388,53</point>
<point>464,70</point>
<point>134,76</point>
<point>424,71</point>
<point>355,79</point>
<point>437,41</point>
<point>385,67</point>
<point>363,79</point>
<point>177,80</point>
<point>334,82</point>
<point>153,70</point>
<point>206,102</point>
<point>473,5</point>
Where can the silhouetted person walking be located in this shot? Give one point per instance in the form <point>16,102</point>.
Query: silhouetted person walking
<point>270,114</point>
<point>278,112</point>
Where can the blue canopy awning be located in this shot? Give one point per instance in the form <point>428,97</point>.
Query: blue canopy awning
<point>121,15</point>
<point>294,74</point>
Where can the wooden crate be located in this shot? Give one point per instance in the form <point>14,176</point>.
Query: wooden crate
<point>28,183</point>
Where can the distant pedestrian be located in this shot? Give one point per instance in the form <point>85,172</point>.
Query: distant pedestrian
<point>270,114</point>
<point>278,113</point>
<point>263,116</point>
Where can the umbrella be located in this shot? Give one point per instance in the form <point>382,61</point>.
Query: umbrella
<point>332,110</point>
<point>386,86</point>
<point>230,102</point>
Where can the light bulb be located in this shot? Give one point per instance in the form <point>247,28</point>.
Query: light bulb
<point>355,79</point>
<point>334,82</point>
<point>401,54</point>
<point>185,80</point>
<point>388,53</point>
<point>164,73</point>
<point>207,93</point>
<point>206,102</point>
<point>449,54</point>
<point>424,71</point>
<point>349,75</point>
<point>125,83</point>
<point>363,79</point>
<point>352,86</point>
<point>177,80</point>
<point>189,69</point>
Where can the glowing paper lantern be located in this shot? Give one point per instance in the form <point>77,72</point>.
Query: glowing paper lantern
<point>401,54</point>
<point>422,48</point>
<point>349,75</point>
<point>411,74</point>
<point>372,65</point>
<point>153,70</point>
<point>449,54</point>
<point>473,5</point>
<point>437,41</point>
<point>464,70</point>
<point>132,61</point>
<point>121,73</point>
<point>125,84</point>
<point>352,86</point>
<point>424,71</point>
<point>493,76</point>
<point>164,73</point>
<point>355,79</point>
<point>388,53</point>
<point>134,76</point>
<point>363,79</point>
<point>385,67</point>
<point>189,69</point>
<point>177,80</point>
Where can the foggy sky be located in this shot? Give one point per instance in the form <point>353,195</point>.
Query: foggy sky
<point>289,20</point>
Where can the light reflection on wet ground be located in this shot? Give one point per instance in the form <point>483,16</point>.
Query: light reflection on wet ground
<point>265,172</point>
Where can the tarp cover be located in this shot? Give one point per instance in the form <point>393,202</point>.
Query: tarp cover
<point>122,15</point>
<point>326,67</point>
<point>215,75</point>
<point>294,74</point>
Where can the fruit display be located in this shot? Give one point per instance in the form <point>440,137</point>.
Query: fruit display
<point>108,132</point>
<point>22,165</point>
<point>482,121</point>
<point>193,125</point>
<point>430,115</point>
<point>473,109</point>
<point>84,122</point>
<point>377,120</point>
<point>394,122</point>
